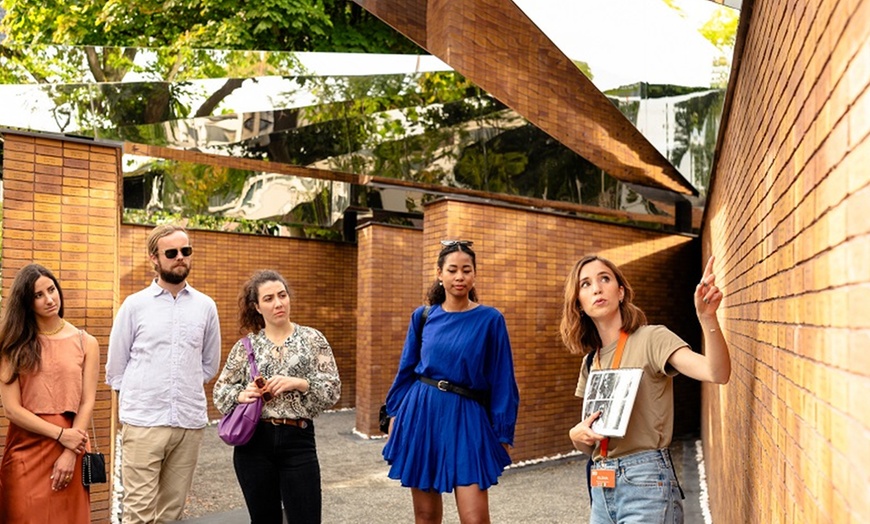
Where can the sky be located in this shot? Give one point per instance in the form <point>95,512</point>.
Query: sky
<point>626,41</point>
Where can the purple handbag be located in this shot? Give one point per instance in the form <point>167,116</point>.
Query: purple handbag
<point>237,427</point>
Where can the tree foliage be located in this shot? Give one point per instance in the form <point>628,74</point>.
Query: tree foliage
<point>272,25</point>
<point>112,33</point>
<point>721,28</point>
<point>584,67</point>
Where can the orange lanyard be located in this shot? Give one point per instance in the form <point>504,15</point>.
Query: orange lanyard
<point>617,358</point>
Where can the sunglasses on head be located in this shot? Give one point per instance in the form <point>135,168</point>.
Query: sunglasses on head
<point>450,243</point>
<point>186,251</point>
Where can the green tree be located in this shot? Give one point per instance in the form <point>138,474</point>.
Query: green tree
<point>721,31</point>
<point>721,28</point>
<point>273,25</point>
<point>584,67</point>
<point>181,31</point>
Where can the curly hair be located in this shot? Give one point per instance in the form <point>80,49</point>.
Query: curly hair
<point>19,344</point>
<point>436,294</point>
<point>249,318</point>
<point>578,332</point>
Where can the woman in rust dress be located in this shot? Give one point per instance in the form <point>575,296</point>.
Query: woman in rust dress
<point>48,382</point>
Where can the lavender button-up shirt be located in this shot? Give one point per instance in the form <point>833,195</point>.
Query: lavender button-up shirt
<point>162,350</point>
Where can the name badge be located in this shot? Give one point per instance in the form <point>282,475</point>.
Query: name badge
<point>603,478</point>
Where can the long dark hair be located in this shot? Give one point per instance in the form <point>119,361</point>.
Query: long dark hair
<point>436,294</point>
<point>249,318</point>
<point>19,344</point>
<point>579,333</point>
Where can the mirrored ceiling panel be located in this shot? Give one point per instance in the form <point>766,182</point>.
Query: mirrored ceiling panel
<point>404,118</point>
<point>53,64</point>
<point>228,101</point>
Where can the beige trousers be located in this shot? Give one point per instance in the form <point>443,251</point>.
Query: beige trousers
<point>157,466</point>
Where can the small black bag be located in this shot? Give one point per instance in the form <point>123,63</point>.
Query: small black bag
<point>93,469</point>
<point>93,464</point>
<point>383,420</point>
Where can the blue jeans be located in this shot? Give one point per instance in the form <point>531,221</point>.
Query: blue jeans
<point>279,465</point>
<point>646,491</point>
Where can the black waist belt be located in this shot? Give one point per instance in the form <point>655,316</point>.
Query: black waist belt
<point>474,394</point>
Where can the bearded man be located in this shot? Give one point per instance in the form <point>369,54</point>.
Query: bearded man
<point>164,346</point>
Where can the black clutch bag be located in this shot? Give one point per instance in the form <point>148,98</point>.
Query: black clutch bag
<point>383,420</point>
<point>93,469</point>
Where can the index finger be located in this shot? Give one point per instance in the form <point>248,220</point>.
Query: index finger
<point>708,270</point>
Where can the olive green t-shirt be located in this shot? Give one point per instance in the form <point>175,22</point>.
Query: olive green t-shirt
<point>651,425</point>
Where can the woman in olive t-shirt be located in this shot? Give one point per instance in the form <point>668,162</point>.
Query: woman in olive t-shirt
<point>632,477</point>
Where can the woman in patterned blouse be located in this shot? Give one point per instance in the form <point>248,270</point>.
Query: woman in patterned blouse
<point>279,463</point>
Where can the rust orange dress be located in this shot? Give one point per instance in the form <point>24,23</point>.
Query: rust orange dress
<point>53,393</point>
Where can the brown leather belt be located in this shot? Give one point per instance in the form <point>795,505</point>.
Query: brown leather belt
<point>298,422</point>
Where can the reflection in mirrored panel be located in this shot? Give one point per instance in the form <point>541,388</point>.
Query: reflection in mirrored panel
<point>413,120</point>
<point>56,64</point>
<point>145,86</point>
<point>681,123</point>
<point>236,199</point>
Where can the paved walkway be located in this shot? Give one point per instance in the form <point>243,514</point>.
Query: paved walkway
<point>356,488</point>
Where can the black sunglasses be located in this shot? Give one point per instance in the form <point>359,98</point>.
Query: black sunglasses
<point>186,251</point>
<point>450,243</point>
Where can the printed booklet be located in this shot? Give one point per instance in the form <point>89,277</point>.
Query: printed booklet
<point>611,391</point>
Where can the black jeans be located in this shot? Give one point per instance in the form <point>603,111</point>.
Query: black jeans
<point>278,465</point>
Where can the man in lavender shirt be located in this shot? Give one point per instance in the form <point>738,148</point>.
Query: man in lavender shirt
<point>164,346</point>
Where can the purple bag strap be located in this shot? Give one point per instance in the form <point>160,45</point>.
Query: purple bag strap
<point>254,371</point>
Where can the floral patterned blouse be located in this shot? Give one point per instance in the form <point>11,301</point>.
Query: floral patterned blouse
<point>305,354</point>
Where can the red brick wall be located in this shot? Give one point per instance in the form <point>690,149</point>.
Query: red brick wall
<point>60,210</point>
<point>322,276</point>
<point>785,440</point>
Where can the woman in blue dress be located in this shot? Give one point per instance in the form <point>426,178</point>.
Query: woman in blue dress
<point>454,399</point>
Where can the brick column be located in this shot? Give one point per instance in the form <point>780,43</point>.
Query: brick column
<point>388,290</point>
<point>61,209</point>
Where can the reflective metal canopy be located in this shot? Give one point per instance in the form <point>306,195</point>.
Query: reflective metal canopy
<point>398,127</point>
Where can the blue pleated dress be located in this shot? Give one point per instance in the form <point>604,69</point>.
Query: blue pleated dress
<point>440,439</point>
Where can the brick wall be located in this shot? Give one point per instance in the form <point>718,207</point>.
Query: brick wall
<point>522,260</point>
<point>60,210</point>
<point>785,440</point>
<point>322,276</point>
